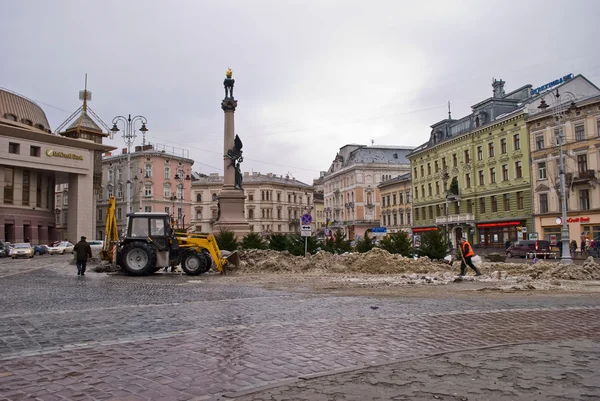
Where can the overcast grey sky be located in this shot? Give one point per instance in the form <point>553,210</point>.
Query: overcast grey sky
<point>310,76</point>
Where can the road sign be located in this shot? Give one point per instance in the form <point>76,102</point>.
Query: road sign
<point>379,231</point>
<point>533,235</point>
<point>306,230</point>
<point>306,219</point>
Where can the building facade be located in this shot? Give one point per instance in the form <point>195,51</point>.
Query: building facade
<point>161,181</point>
<point>396,208</point>
<point>581,125</point>
<point>352,198</point>
<point>472,176</point>
<point>32,162</point>
<point>274,204</point>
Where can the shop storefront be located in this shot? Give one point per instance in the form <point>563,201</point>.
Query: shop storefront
<point>497,233</point>
<point>580,228</point>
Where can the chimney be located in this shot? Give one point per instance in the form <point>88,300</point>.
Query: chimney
<point>138,149</point>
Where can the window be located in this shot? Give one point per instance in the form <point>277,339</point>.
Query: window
<point>437,187</point>
<point>467,180</point>
<point>120,192</point>
<point>214,197</point>
<point>467,157</point>
<point>401,219</point>
<point>415,170</point>
<point>38,190</point>
<point>539,142</point>
<point>110,192</point>
<point>400,198</point>
<point>394,197</point>
<point>520,200</point>
<point>416,193</point>
<point>250,197</point>
<point>481,205</point>
<point>168,210</point>
<point>99,215</point>
<point>517,141</point>
<point>494,201</point>
<point>437,166</point>
<point>35,151</point>
<point>584,199</point>
<point>443,163</point>
<point>13,148</point>
<point>423,190</point>
<point>454,160</point>
<point>481,180</point>
<point>491,149</point>
<point>25,188</point>
<point>110,175</point>
<point>430,212</point>
<point>10,117</point>
<point>119,175</point>
<point>148,209</point>
<point>543,203</point>
<point>422,171</point>
<point>479,152</point>
<point>148,170</point>
<point>504,172</point>
<point>65,217</point>
<point>503,145</point>
<point>428,168</point>
<point>598,127</point>
<point>493,175</point>
<point>198,197</point>
<point>429,189</point>
<point>541,170</point>
<point>519,169</point>
<point>506,199</point>
<point>417,214</point>
<point>580,132</point>
<point>120,213</point>
<point>395,219</point>
<point>147,190</point>
<point>167,190</point>
<point>582,164</point>
<point>27,121</point>
<point>408,217</point>
<point>167,173</point>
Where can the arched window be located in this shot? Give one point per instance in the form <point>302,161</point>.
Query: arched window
<point>198,215</point>
<point>214,197</point>
<point>369,198</point>
<point>27,121</point>
<point>198,197</point>
<point>40,126</point>
<point>10,117</point>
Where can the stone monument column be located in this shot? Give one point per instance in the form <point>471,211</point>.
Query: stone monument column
<point>231,198</point>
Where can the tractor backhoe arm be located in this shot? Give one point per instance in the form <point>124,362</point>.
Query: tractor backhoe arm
<point>208,242</point>
<point>111,236</point>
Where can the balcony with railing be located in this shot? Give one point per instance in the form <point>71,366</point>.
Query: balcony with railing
<point>584,176</point>
<point>456,218</point>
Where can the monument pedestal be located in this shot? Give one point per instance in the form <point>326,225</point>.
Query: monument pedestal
<point>231,203</point>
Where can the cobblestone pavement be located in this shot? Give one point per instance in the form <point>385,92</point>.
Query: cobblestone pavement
<point>173,337</point>
<point>566,370</point>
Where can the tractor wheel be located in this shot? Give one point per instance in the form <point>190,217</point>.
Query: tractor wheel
<point>194,263</point>
<point>138,259</point>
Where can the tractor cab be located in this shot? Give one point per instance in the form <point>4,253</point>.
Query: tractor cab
<point>152,227</point>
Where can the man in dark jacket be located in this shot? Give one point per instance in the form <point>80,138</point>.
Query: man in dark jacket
<point>82,250</point>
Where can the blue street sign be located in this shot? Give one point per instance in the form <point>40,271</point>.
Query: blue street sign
<point>306,219</point>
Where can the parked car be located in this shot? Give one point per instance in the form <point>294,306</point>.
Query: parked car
<point>23,250</point>
<point>60,249</point>
<point>4,249</point>
<point>96,245</point>
<point>523,248</point>
<point>40,249</point>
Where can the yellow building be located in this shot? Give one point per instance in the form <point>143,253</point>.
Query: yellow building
<point>396,208</point>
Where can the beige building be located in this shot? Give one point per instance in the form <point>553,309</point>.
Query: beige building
<point>161,181</point>
<point>32,161</point>
<point>352,199</point>
<point>396,208</point>
<point>319,219</point>
<point>274,203</point>
<point>582,149</point>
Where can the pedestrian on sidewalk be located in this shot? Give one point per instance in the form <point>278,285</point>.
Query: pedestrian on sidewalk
<point>467,253</point>
<point>82,250</point>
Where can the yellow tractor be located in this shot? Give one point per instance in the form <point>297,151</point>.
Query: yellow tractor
<point>151,244</point>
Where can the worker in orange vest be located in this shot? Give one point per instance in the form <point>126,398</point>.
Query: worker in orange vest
<point>467,253</point>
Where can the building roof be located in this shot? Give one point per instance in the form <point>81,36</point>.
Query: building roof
<point>84,122</point>
<point>353,154</point>
<point>396,180</point>
<point>25,110</point>
<point>254,178</point>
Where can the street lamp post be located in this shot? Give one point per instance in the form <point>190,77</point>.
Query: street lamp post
<point>129,135</point>
<point>559,112</point>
